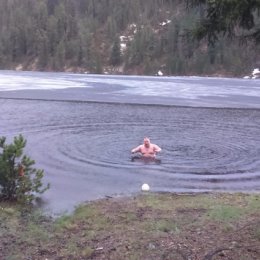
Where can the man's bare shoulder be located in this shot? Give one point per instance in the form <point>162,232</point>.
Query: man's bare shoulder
<point>155,146</point>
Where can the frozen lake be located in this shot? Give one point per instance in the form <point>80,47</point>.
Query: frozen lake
<point>80,130</point>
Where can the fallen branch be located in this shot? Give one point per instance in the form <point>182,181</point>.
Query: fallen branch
<point>211,254</point>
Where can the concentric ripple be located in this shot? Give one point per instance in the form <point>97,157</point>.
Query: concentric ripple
<point>85,147</point>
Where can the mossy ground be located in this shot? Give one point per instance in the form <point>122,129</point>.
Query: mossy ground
<point>146,226</point>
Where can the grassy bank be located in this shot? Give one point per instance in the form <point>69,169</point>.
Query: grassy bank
<point>148,226</point>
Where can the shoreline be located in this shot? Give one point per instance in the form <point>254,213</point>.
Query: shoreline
<point>146,226</point>
<point>215,75</point>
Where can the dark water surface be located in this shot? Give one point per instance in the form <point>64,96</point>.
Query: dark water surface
<point>84,147</point>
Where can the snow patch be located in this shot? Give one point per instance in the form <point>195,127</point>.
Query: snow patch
<point>159,73</point>
<point>255,72</point>
<point>165,22</point>
<point>122,47</point>
<point>254,75</point>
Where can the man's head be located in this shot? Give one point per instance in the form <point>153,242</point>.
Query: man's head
<point>146,142</point>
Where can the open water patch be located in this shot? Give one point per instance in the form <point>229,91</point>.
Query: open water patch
<point>84,148</point>
<point>80,130</point>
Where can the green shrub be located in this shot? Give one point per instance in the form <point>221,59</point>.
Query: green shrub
<point>18,179</point>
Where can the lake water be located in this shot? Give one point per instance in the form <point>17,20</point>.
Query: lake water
<point>80,130</point>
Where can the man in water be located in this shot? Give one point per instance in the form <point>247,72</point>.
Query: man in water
<point>147,150</point>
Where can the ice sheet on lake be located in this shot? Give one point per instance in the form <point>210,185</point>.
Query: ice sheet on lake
<point>12,82</point>
<point>190,91</point>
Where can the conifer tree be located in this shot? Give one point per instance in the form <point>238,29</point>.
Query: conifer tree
<point>226,17</point>
<point>18,179</point>
<point>115,57</point>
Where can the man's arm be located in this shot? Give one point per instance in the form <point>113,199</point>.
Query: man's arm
<point>156,148</point>
<point>137,149</point>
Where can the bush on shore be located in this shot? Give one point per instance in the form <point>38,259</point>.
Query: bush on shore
<point>19,180</point>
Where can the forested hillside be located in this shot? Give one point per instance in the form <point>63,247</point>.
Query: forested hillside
<point>115,36</point>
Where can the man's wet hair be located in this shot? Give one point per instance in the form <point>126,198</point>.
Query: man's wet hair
<point>146,138</point>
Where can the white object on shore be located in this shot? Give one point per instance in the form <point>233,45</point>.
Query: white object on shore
<point>145,187</point>
<point>159,73</point>
<point>255,72</point>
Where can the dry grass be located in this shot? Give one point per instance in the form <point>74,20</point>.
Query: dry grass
<point>148,226</point>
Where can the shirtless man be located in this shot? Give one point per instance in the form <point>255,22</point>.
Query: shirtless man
<point>148,150</point>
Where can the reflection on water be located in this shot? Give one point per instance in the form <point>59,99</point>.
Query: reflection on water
<point>85,147</point>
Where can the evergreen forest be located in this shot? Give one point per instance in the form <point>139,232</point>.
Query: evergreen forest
<point>116,37</point>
